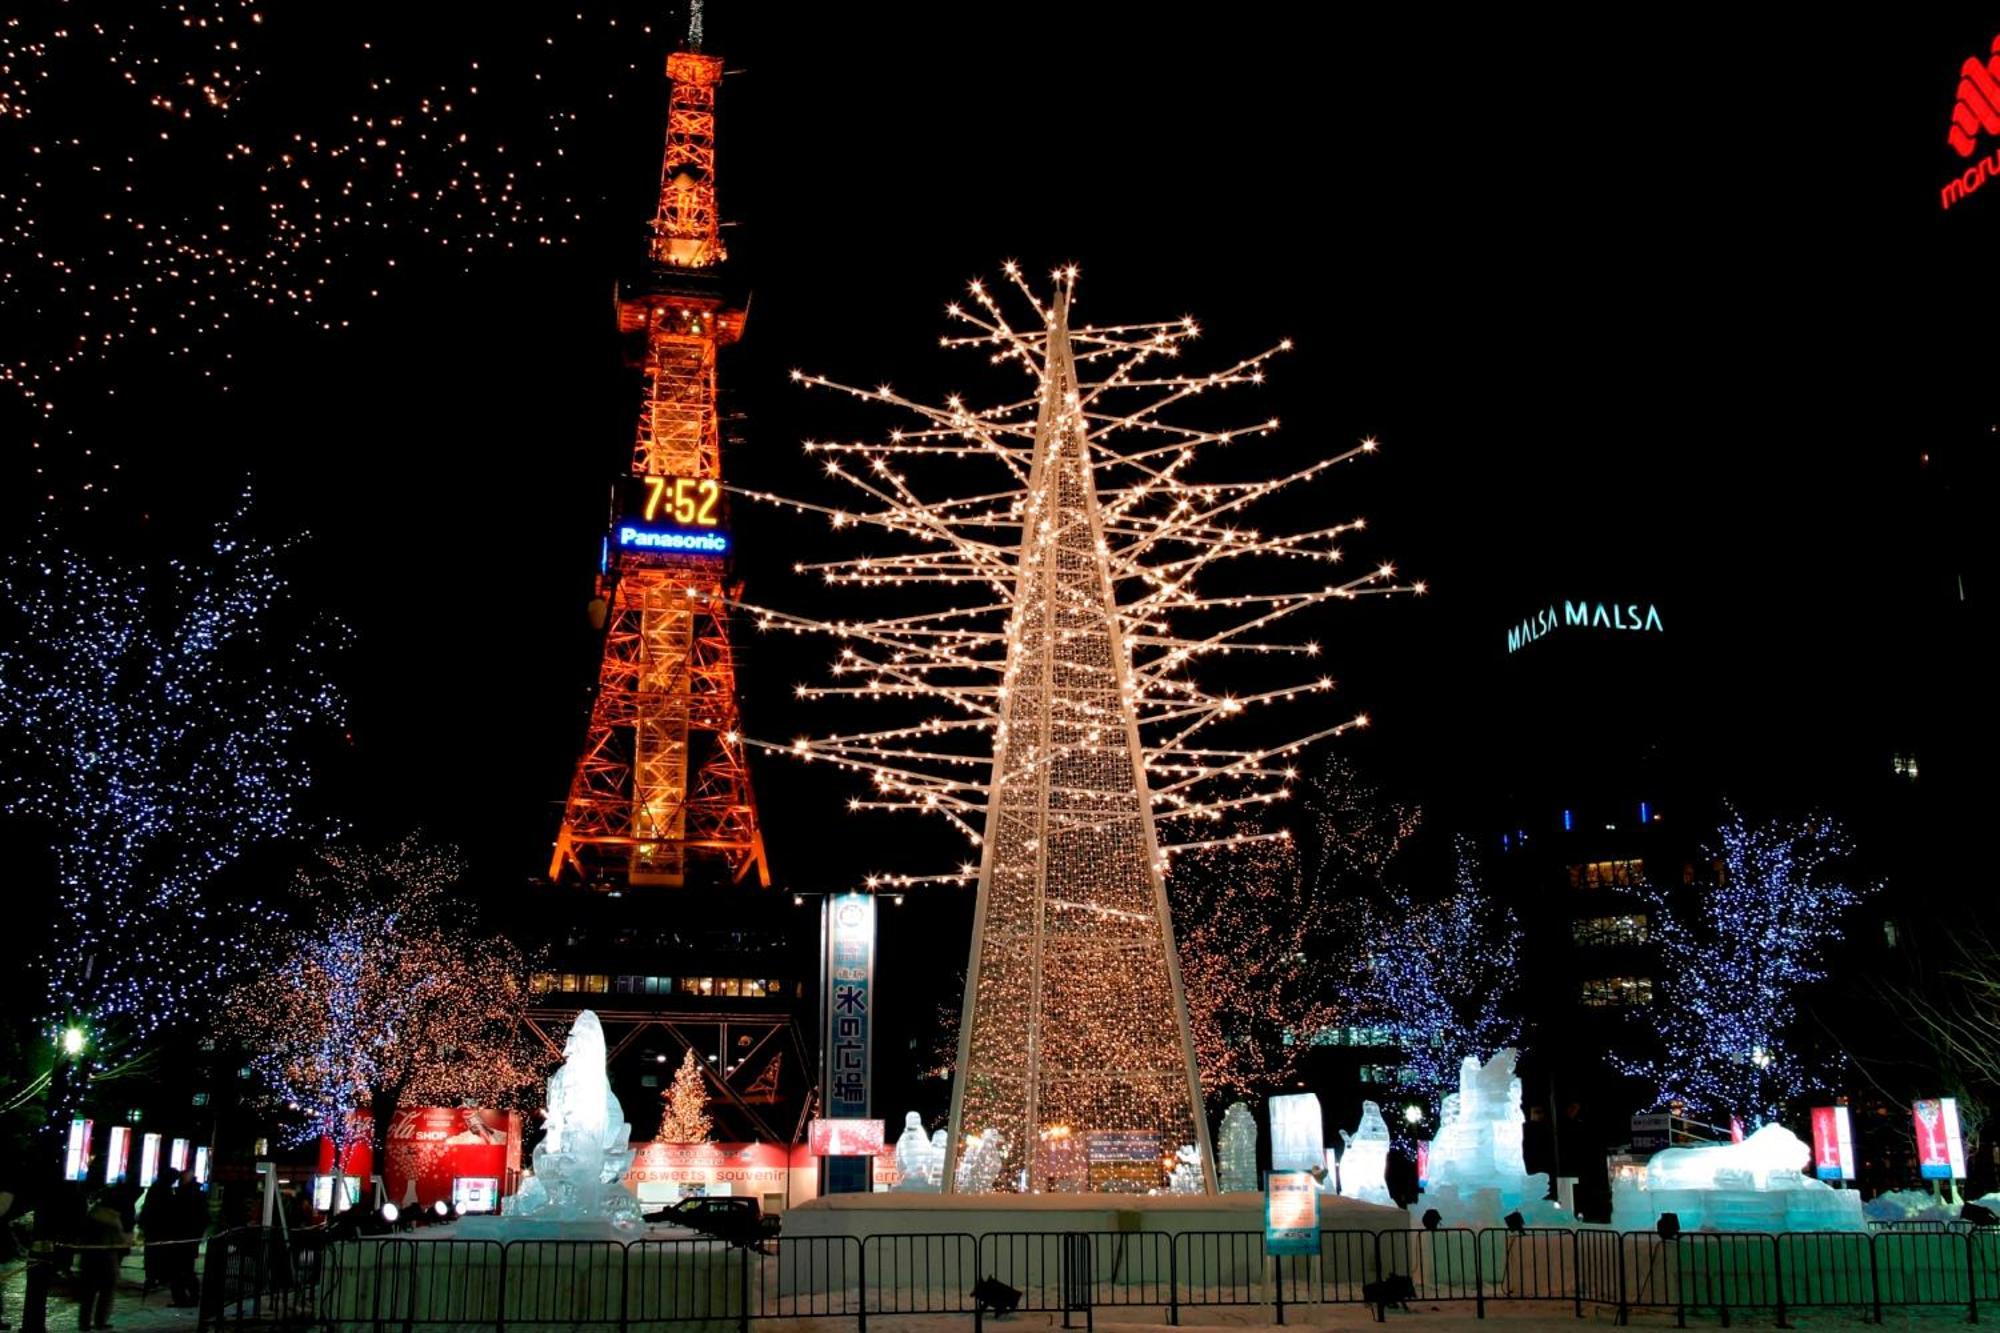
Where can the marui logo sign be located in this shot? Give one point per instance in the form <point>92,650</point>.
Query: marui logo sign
<point>1976,113</point>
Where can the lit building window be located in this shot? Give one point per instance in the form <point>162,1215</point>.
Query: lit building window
<point>1904,766</point>
<point>541,983</point>
<point>1631,928</point>
<point>1606,992</point>
<point>597,983</point>
<point>1607,875</point>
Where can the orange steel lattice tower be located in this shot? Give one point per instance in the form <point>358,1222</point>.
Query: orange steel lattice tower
<point>662,779</point>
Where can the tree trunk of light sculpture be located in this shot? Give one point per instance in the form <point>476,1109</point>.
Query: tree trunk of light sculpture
<point>1075,1022</point>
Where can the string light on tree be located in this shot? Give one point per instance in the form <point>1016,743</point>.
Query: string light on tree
<point>1443,976</point>
<point>684,1114</point>
<point>1735,948</point>
<point>1055,710</point>
<point>372,1001</point>
<point>1260,951</point>
<point>152,722</point>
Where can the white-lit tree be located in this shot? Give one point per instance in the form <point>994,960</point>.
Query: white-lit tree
<point>1089,568</point>
<point>1736,947</point>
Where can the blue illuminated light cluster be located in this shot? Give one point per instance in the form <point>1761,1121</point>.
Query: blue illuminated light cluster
<point>154,721</point>
<point>1734,952</point>
<point>632,538</point>
<point>1447,982</point>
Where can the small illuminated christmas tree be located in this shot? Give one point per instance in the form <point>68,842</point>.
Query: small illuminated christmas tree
<point>685,1119</point>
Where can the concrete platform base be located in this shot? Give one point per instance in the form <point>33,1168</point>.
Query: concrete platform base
<point>862,1215</point>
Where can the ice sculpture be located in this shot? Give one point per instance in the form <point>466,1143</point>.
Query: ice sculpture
<point>1364,1158</point>
<point>1298,1133</point>
<point>1477,1172</point>
<point>919,1161</point>
<point>581,1161</point>
<point>1756,1185</point>
<point>979,1166</point>
<point>1914,1206</point>
<point>1186,1175</point>
<point>1238,1150</point>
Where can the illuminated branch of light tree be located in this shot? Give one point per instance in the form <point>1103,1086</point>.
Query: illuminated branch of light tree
<point>949,495</point>
<point>151,719</point>
<point>1735,949</point>
<point>1442,972</point>
<point>376,998</point>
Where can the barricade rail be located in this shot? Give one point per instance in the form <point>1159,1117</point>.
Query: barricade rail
<point>405,1283</point>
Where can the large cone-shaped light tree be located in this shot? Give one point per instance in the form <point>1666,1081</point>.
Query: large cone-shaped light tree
<point>1076,747</point>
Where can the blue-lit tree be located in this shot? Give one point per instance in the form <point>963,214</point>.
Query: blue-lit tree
<point>1442,973</point>
<point>1735,948</point>
<point>377,996</point>
<point>151,722</point>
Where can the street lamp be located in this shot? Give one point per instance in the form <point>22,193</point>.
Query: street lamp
<point>72,1041</point>
<point>1413,1114</point>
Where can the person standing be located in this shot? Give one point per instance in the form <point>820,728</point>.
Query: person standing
<point>159,1224</point>
<point>103,1247</point>
<point>191,1224</point>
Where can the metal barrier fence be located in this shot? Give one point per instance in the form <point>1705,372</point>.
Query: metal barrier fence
<point>405,1283</point>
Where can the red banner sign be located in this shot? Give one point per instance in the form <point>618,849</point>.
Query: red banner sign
<point>435,1145</point>
<point>1833,1143</point>
<point>1940,1146</point>
<point>845,1138</point>
<point>745,1167</point>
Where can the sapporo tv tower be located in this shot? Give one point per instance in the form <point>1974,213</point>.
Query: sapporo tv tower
<point>661,785</point>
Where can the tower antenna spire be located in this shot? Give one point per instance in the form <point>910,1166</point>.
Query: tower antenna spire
<point>694,25</point>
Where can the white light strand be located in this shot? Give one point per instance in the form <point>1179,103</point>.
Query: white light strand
<point>1160,532</point>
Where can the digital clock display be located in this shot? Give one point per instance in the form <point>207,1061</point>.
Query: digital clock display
<point>687,502</point>
<point>669,516</point>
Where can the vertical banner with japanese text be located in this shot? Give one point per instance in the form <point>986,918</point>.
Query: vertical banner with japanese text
<point>848,1046</point>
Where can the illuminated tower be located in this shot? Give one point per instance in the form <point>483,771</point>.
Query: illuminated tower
<point>662,779</point>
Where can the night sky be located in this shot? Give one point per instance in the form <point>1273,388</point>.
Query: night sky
<point>1651,309</point>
